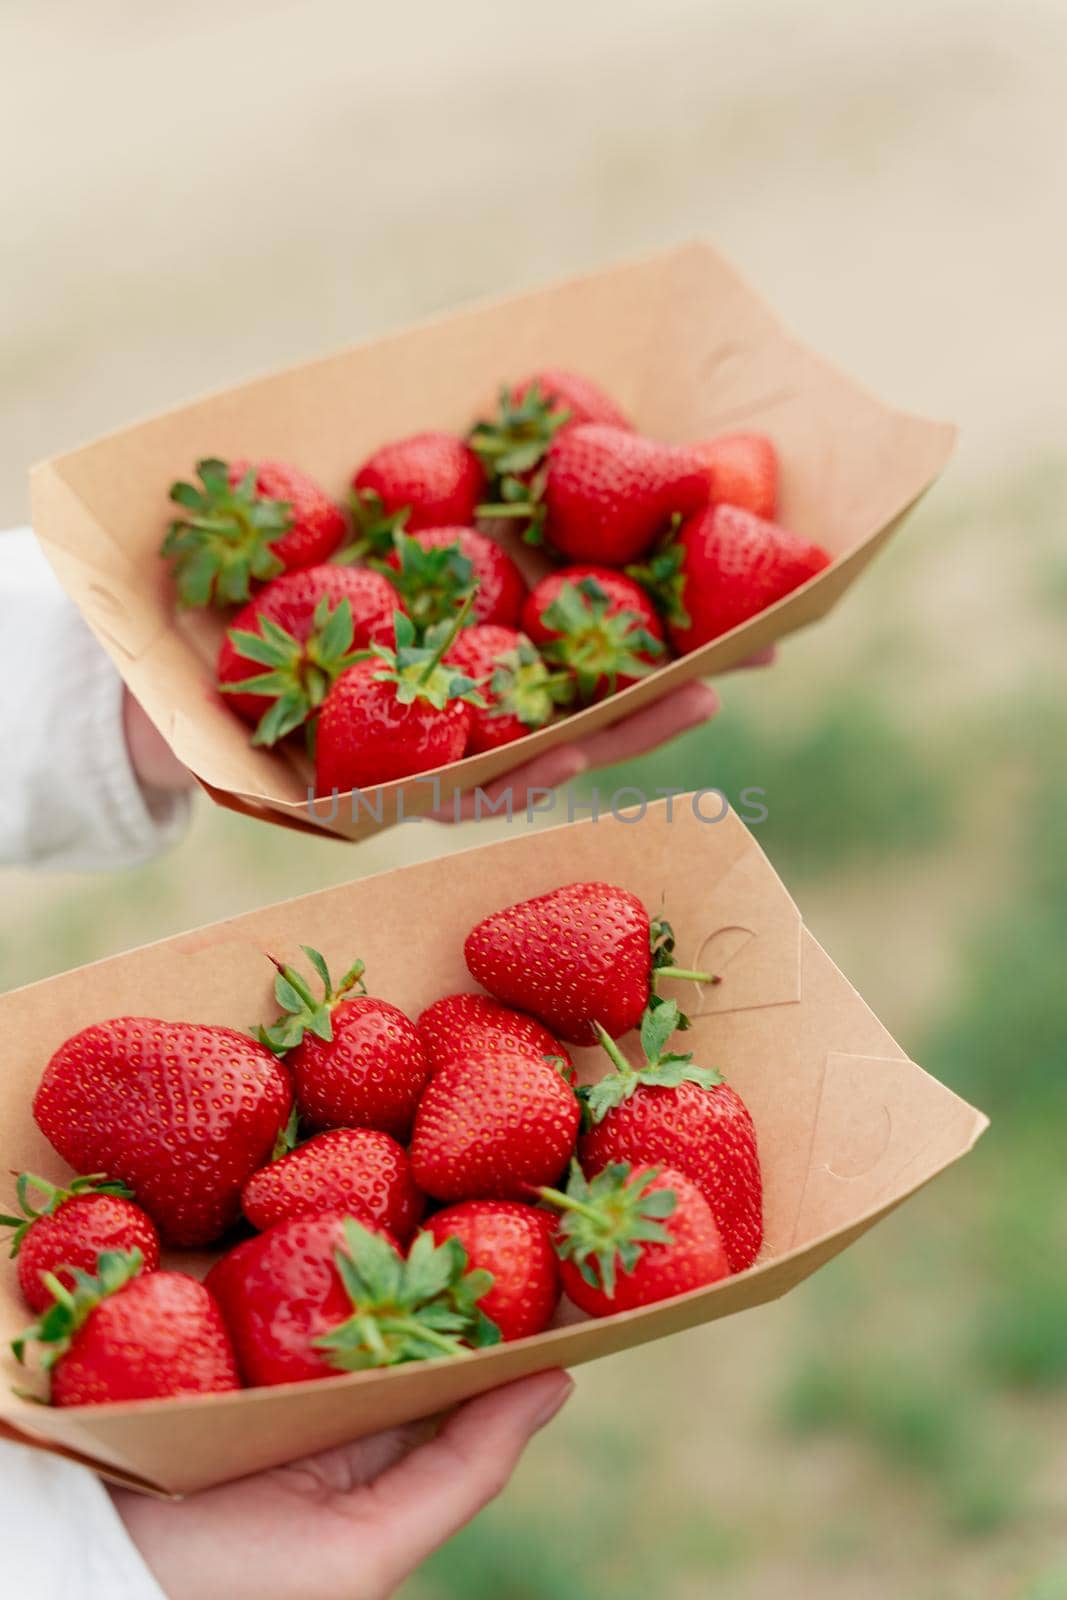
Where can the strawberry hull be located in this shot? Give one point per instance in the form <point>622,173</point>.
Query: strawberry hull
<point>686,348</point>
<point>848,1127</point>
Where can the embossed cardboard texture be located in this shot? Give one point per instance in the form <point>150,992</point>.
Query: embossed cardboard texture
<point>680,340</point>
<point>848,1127</point>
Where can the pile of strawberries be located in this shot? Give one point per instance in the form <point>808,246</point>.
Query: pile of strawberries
<point>399,635</point>
<point>417,1189</point>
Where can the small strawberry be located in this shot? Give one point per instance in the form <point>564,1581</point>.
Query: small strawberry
<point>605,494</point>
<point>464,1024</point>
<point>179,1111</point>
<point>63,1228</point>
<point>671,1111</point>
<point>434,568</point>
<point>120,1336</point>
<point>572,392</point>
<point>530,416</point>
<point>314,1296</point>
<point>355,1061</point>
<point>493,1125</point>
<point>722,567</point>
<point>743,468</point>
<point>519,691</point>
<point>579,956</point>
<point>598,625</point>
<point>513,1243</point>
<point>336,1171</point>
<point>631,1236</point>
<point>430,480</point>
<point>287,647</point>
<point>244,525</point>
<point>403,712</point>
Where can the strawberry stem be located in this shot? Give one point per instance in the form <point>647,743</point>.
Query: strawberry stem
<point>686,972</point>
<point>618,1060</point>
<point>449,639</point>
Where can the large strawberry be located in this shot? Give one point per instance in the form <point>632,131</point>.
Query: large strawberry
<point>430,480</point>
<point>532,413</point>
<point>356,1061</point>
<point>122,1336</point>
<point>335,1171</point>
<point>583,955</point>
<point>722,567</point>
<point>519,691</point>
<point>493,1125</point>
<point>632,1236</point>
<point>179,1111</point>
<point>463,1024</point>
<point>246,524</point>
<point>596,624</point>
<point>403,712</point>
<point>314,1296</point>
<point>743,469</point>
<point>605,494</point>
<point>669,1110</point>
<point>434,568</point>
<point>287,647</point>
<point>513,1242</point>
<point>63,1228</point>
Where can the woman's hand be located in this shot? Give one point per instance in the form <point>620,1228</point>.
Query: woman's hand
<point>351,1523</point>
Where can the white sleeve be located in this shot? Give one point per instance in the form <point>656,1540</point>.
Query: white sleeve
<point>62,1537</point>
<point>69,797</point>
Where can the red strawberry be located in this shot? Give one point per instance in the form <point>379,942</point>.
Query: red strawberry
<point>434,568</point>
<point>179,1111</point>
<point>514,1243</point>
<point>356,1061</point>
<point>430,480</point>
<point>345,1168</point>
<point>530,416</point>
<point>464,1024</point>
<point>598,625</point>
<point>120,1336</point>
<point>296,637</point>
<point>70,1227</point>
<point>492,1125</point>
<point>580,397</point>
<point>629,1237</point>
<point>314,1296</point>
<point>723,567</point>
<point>604,494</point>
<point>579,956</point>
<point>244,525</point>
<point>406,711</point>
<point>743,468</point>
<point>669,1110</point>
<point>520,693</point>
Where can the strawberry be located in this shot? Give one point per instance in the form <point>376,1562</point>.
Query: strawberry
<point>605,494</point>
<point>180,1111</point>
<point>314,1296</point>
<point>69,1227</point>
<point>743,468</point>
<point>514,1243</point>
<point>579,956</point>
<point>632,1236</point>
<point>430,480</point>
<point>462,1024</point>
<point>532,414</point>
<point>122,1336</point>
<point>722,567</point>
<point>403,712</point>
<point>581,398</point>
<point>288,646</point>
<point>671,1111</point>
<point>598,625</point>
<point>244,525</point>
<point>335,1171</point>
<point>492,1125</point>
<point>519,692</point>
<point>434,568</point>
<point>355,1061</point>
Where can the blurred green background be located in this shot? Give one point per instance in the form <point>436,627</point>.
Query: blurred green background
<point>198,195</point>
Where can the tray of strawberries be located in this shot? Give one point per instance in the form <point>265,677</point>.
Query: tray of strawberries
<point>264,1204</point>
<point>397,574</point>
